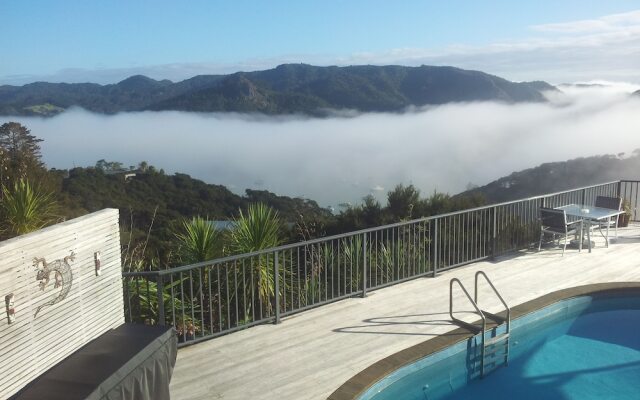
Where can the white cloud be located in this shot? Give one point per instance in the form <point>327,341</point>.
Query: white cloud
<point>603,48</point>
<point>608,23</point>
<point>340,159</point>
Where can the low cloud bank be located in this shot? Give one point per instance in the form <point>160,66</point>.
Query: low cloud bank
<point>340,159</point>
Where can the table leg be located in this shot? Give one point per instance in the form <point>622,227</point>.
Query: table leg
<point>581,235</point>
<point>589,235</point>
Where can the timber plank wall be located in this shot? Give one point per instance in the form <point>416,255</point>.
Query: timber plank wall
<point>94,304</point>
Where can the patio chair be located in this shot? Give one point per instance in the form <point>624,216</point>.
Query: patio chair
<point>612,203</point>
<point>554,222</point>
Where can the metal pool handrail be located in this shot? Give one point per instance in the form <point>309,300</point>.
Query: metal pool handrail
<point>473,303</point>
<point>469,326</point>
<point>504,303</point>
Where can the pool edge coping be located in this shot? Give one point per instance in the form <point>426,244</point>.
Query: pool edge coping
<point>359,383</point>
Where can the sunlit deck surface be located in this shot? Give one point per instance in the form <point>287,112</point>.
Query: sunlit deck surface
<point>311,354</point>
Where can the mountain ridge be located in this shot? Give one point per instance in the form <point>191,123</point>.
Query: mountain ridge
<point>286,89</point>
<point>556,176</point>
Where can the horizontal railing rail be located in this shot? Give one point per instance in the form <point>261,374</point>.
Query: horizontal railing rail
<point>216,297</point>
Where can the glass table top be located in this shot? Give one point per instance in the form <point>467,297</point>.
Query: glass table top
<point>589,212</point>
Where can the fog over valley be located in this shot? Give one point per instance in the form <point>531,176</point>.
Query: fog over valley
<point>343,158</point>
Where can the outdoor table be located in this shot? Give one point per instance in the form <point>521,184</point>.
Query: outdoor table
<point>591,215</point>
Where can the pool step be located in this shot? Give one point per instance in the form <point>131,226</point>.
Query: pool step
<point>494,351</point>
<point>495,355</point>
<point>492,362</point>
<point>497,339</point>
<point>497,347</point>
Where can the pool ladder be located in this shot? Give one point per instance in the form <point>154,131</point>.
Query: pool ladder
<point>490,346</point>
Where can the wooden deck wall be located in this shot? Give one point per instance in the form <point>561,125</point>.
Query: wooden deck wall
<point>93,304</point>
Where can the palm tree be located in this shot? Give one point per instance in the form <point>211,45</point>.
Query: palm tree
<point>258,229</point>
<point>25,208</point>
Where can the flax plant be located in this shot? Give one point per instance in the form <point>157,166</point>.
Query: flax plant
<point>258,229</point>
<point>199,240</point>
<point>25,208</point>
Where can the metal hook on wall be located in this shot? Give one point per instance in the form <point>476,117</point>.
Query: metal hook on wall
<point>11,311</point>
<point>96,259</point>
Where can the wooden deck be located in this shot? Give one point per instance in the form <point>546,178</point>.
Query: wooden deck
<point>311,354</point>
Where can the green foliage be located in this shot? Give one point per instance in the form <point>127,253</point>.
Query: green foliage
<point>198,241</point>
<point>109,166</point>
<point>371,211</point>
<point>19,154</point>
<point>142,303</point>
<point>176,197</point>
<point>401,202</point>
<point>43,110</point>
<point>353,256</point>
<point>384,262</point>
<point>626,207</point>
<point>256,229</point>
<point>25,208</point>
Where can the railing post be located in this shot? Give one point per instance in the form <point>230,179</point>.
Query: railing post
<point>584,196</point>
<point>127,299</point>
<point>494,233</point>
<point>160,294</point>
<point>364,265</point>
<point>619,189</point>
<point>276,285</point>
<point>435,248</point>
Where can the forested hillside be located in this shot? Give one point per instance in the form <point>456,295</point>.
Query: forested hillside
<point>289,88</point>
<point>149,199</point>
<point>558,176</point>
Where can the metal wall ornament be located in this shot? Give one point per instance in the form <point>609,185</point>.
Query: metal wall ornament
<point>97,262</point>
<point>11,311</point>
<point>62,274</point>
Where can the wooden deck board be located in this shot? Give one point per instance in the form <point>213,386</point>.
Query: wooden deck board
<point>311,354</point>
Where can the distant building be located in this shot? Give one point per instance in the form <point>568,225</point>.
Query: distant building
<point>126,173</point>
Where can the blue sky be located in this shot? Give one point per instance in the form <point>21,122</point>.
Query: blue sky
<point>105,41</point>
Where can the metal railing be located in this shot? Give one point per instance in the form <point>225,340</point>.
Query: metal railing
<point>220,296</point>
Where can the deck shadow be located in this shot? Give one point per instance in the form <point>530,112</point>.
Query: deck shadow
<point>370,325</point>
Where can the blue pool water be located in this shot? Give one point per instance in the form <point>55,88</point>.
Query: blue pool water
<point>581,348</point>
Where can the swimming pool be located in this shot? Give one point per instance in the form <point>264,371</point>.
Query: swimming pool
<point>585,347</point>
